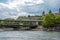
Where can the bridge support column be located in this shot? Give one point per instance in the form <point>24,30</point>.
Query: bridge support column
<point>36,23</point>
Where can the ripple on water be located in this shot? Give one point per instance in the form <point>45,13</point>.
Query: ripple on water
<point>29,35</point>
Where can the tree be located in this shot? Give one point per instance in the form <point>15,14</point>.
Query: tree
<point>49,20</point>
<point>57,20</point>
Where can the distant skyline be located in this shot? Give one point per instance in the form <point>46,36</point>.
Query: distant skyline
<point>15,8</point>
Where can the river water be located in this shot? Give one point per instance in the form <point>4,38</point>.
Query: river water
<point>29,35</point>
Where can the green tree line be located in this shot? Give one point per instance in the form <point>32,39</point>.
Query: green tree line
<point>50,20</point>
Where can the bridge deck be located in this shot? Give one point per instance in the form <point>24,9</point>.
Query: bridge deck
<point>16,25</point>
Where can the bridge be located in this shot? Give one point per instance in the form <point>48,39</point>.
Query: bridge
<point>17,26</point>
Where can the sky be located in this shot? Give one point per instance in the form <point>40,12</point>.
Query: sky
<point>15,8</point>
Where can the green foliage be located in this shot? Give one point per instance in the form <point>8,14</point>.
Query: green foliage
<point>49,20</point>
<point>6,22</point>
<point>57,20</point>
<point>28,23</point>
<point>39,18</point>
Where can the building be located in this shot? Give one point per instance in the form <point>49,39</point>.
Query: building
<point>36,17</point>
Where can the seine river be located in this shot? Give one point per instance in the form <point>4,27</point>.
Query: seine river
<point>29,35</point>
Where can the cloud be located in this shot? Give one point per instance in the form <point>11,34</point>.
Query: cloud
<point>52,3</point>
<point>16,3</point>
<point>15,8</point>
<point>6,12</point>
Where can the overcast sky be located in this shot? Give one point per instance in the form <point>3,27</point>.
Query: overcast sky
<point>15,8</point>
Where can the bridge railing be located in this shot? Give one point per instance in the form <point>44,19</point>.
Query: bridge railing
<point>30,22</point>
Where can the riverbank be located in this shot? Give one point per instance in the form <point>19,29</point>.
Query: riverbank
<point>11,29</point>
<point>39,28</point>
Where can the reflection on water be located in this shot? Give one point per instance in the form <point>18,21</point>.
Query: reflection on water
<point>29,35</point>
